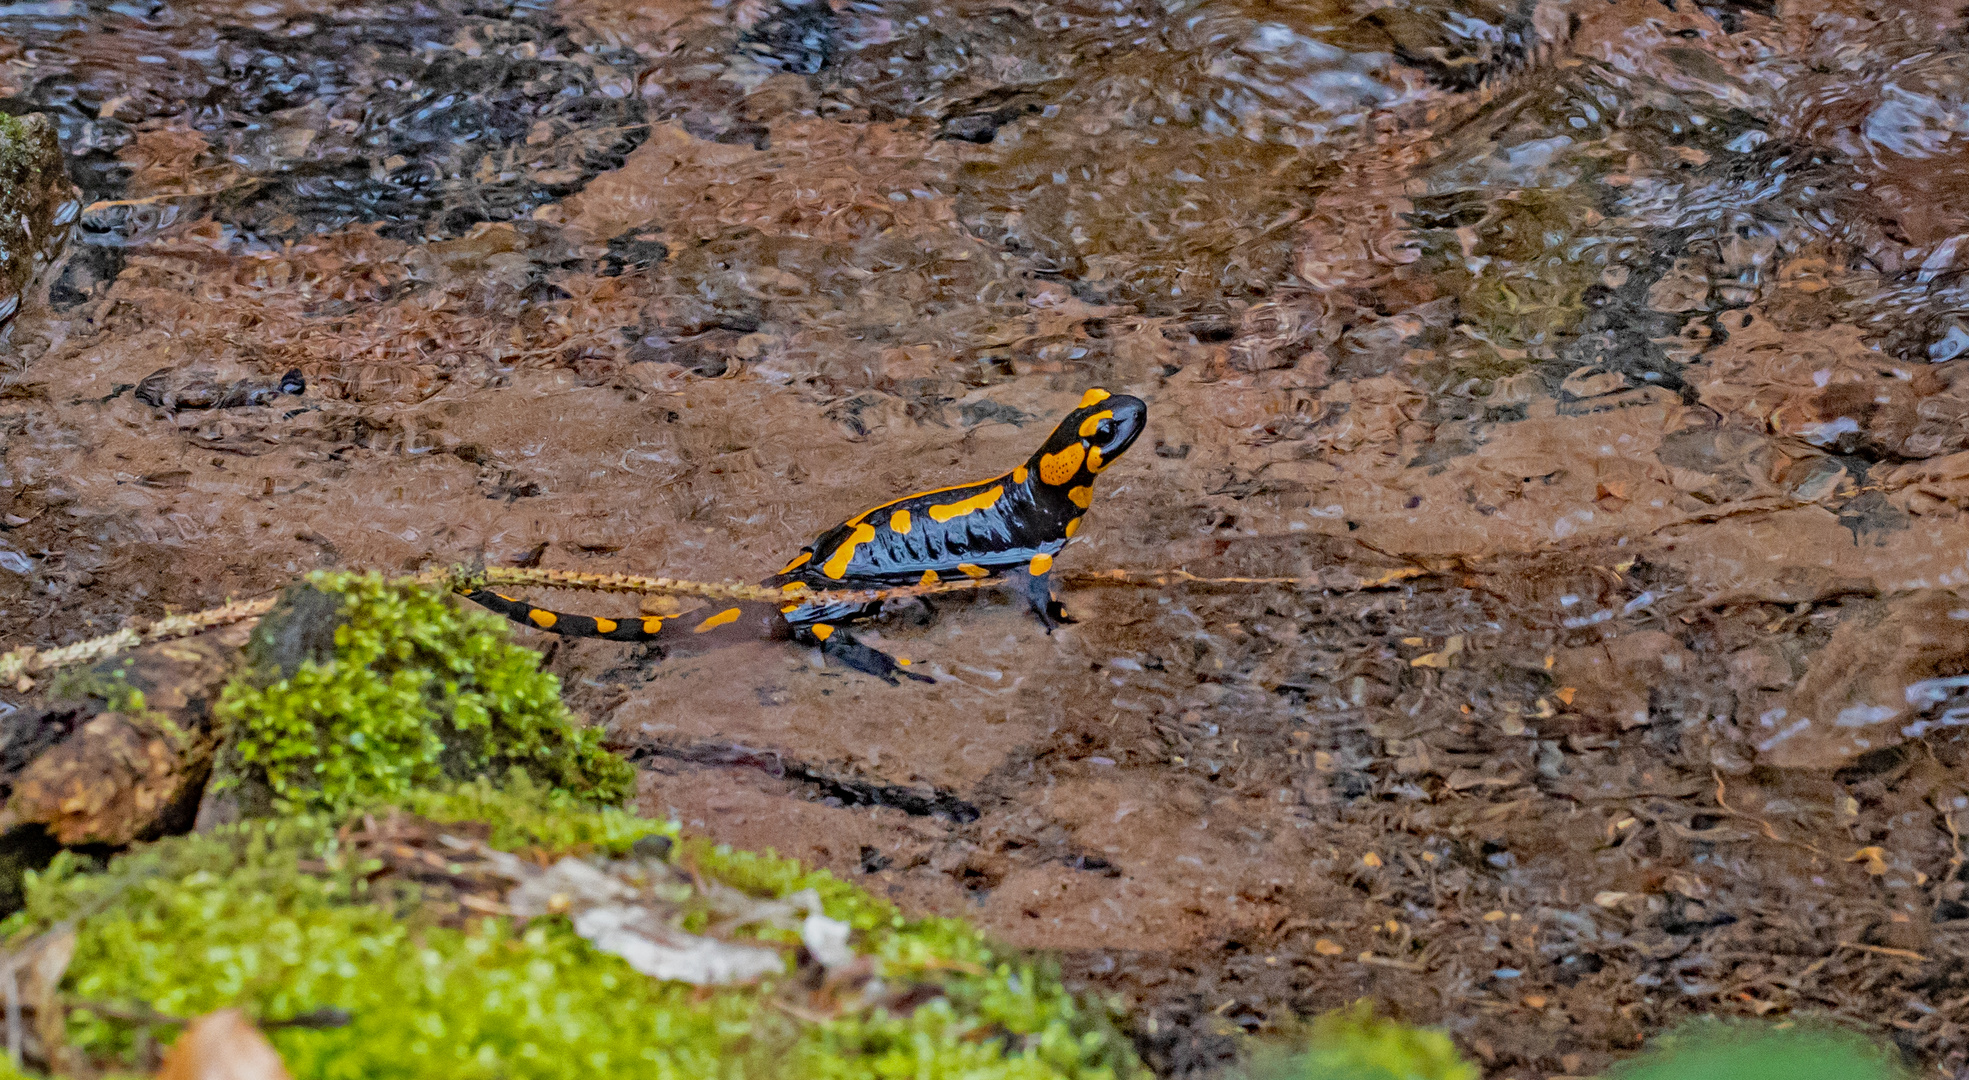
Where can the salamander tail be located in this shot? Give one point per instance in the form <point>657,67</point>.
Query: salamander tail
<point>642,628</point>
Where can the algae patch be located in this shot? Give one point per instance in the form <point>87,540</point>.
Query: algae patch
<point>359,689</point>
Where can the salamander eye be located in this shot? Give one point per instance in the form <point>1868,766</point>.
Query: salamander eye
<point>1103,432</point>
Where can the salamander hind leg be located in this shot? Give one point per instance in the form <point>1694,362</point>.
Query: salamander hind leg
<point>1038,589</point>
<point>837,644</point>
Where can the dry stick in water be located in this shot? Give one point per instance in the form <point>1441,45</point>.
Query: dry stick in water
<point>18,665</point>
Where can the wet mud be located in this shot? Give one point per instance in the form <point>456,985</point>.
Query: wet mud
<point>1636,329</point>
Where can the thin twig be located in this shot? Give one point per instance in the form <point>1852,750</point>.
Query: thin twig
<point>1904,954</point>
<point>1769,832</point>
<point>18,664</point>
<point>1955,842</point>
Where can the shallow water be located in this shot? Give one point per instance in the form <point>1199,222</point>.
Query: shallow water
<point>1639,331</point>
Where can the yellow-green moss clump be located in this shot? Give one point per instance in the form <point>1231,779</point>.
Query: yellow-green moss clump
<point>1713,1049</point>
<point>1355,1044</point>
<point>278,918</point>
<point>361,689</point>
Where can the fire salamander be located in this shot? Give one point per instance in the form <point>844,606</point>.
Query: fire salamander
<point>1010,526</point>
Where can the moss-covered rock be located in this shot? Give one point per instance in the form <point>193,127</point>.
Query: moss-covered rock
<point>37,205</point>
<point>359,689</point>
<point>117,751</point>
<point>285,917</point>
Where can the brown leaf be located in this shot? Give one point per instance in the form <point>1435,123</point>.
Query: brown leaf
<point>40,988</point>
<point>223,1045</point>
<point>1871,856</point>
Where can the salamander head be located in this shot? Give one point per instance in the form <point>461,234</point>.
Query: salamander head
<point>1100,430</point>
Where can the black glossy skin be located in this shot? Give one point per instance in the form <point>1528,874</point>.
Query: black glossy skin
<point>1007,527</point>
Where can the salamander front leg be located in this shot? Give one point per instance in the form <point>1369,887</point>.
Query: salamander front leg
<point>840,645</point>
<point>1038,590</point>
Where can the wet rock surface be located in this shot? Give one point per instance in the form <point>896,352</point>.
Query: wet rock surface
<point>1632,330</point>
<point>37,207</point>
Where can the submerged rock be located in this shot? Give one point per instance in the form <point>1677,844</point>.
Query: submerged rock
<point>1829,391</point>
<point>1893,669</point>
<point>37,206</point>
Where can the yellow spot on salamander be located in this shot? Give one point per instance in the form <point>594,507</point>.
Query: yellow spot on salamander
<point>605,626</point>
<point>799,561</point>
<point>652,625</point>
<point>1057,469</point>
<point>727,616</point>
<point>973,570</point>
<point>903,660</point>
<point>1093,397</point>
<point>930,577</point>
<point>1088,425</point>
<point>1073,527</point>
<point>823,631</point>
<point>899,521</point>
<point>983,500</point>
<point>1082,497</point>
<point>1040,564</point>
<point>789,609</point>
<point>1094,462</point>
<point>1019,475</point>
<point>793,588</point>
<point>873,510</point>
<point>508,599</point>
<point>545,620</point>
<point>837,563</point>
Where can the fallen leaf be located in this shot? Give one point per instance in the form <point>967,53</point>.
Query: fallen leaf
<point>1325,947</point>
<point>222,1045</point>
<point>664,952</point>
<point>1443,659</point>
<point>826,939</point>
<point>1566,694</point>
<point>1371,859</point>
<point>40,987</point>
<point>1609,899</point>
<point>1872,857</point>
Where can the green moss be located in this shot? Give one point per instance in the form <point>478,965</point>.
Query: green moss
<point>17,149</point>
<point>524,815</point>
<point>1743,1050</point>
<point>32,187</point>
<point>414,690</point>
<point>270,917</point>
<point>108,683</point>
<point>1354,1044</point>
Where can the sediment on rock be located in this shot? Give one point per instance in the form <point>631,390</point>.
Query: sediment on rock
<point>37,206</point>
